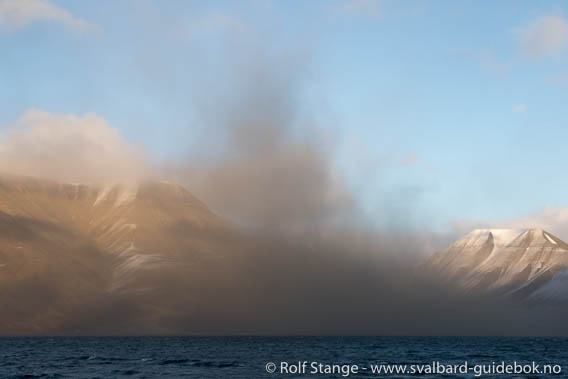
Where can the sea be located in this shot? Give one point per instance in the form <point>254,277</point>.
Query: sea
<point>283,357</point>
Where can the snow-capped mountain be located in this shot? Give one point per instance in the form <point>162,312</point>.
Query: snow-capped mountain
<point>530,264</point>
<point>70,251</point>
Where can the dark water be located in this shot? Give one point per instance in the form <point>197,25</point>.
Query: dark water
<point>247,357</point>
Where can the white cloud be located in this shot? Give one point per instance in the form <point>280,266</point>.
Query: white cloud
<point>547,36</point>
<point>551,219</point>
<point>17,14</point>
<point>520,108</point>
<point>69,148</point>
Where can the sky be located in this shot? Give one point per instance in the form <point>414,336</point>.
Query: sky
<point>450,113</point>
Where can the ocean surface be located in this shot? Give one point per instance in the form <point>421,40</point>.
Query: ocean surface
<point>280,357</point>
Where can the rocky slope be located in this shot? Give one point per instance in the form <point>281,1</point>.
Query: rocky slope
<point>138,254</point>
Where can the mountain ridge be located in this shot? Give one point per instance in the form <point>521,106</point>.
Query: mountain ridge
<point>518,262</point>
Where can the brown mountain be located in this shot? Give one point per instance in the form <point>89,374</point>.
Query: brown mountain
<point>117,258</point>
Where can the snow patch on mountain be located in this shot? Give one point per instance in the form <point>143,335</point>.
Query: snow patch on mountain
<point>118,194</point>
<point>501,237</point>
<point>550,239</point>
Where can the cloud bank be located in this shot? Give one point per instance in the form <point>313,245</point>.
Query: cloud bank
<point>544,37</point>
<point>551,219</point>
<point>18,14</point>
<point>261,159</point>
<point>68,148</point>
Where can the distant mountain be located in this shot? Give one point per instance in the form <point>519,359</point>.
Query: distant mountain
<point>527,264</point>
<point>139,255</point>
